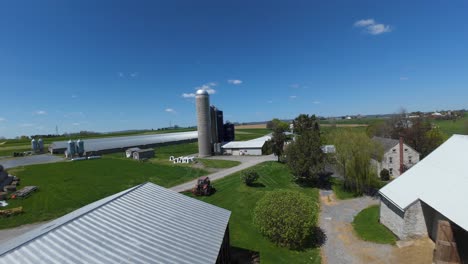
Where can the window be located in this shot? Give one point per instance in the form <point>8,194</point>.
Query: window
<point>390,160</point>
<point>391,171</point>
<point>393,150</point>
<point>406,149</point>
<point>409,159</point>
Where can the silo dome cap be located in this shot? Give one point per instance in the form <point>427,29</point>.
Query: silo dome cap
<point>202,92</point>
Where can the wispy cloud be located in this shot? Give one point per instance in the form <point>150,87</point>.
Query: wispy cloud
<point>208,87</point>
<point>270,101</point>
<point>404,78</point>
<point>170,110</point>
<point>2,119</point>
<point>316,102</point>
<point>292,97</point>
<point>295,85</point>
<point>74,96</point>
<point>134,74</point>
<point>235,82</point>
<point>188,95</point>
<point>26,125</point>
<point>76,124</point>
<point>40,112</point>
<point>370,26</point>
<point>121,74</point>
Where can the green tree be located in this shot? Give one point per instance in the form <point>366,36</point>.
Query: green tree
<point>249,177</point>
<point>305,157</point>
<point>276,123</point>
<point>304,123</point>
<point>277,142</point>
<point>286,218</point>
<point>433,139</point>
<point>354,151</point>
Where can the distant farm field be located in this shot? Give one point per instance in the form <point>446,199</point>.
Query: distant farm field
<point>450,127</point>
<point>251,126</point>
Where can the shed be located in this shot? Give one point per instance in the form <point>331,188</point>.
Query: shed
<point>143,154</point>
<point>143,224</point>
<point>249,147</point>
<point>434,189</point>
<point>129,152</point>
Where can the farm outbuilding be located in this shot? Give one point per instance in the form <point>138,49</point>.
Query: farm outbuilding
<point>120,144</point>
<point>434,189</point>
<point>144,224</point>
<point>143,154</point>
<point>129,152</point>
<point>249,147</point>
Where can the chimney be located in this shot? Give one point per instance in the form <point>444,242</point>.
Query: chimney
<point>401,156</point>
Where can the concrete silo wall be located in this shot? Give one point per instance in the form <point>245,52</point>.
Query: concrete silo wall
<point>204,124</point>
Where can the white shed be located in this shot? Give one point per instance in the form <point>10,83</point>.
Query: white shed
<point>250,147</point>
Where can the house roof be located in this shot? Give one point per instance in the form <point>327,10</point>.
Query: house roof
<point>144,224</point>
<point>440,180</point>
<point>254,143</point>
<point>387,143</point>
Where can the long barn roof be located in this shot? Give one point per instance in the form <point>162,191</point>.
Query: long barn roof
<point>440,180</point>
<point>144,224</point>
<point>99,144</point>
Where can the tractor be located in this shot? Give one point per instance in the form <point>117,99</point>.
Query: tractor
<point>203,187</point>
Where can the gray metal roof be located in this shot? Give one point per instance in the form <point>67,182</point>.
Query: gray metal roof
<point>387,143</point>
<point>99,144</point>
<point>144,224</point>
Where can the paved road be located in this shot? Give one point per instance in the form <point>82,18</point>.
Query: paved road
<point>29,160</point>
<point>246,162</point>
<point>342,245</point>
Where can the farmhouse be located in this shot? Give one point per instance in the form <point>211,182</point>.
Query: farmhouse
<point>249,147</point>
<point>434,189</point>
<point>144,224</point>
<point>398,156</point>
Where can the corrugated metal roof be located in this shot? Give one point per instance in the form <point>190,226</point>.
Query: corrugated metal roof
<point>440,180</point>
<point>99,144</point>
<point>254,143</point>
<point>144,224</point>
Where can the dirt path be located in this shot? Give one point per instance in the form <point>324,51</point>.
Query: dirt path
<point>342,245</point>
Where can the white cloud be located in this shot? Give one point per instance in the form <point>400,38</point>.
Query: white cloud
<point>121,74</point>
<point>40,112</point>
<point>235,82</point>
<point>76,124</point>
<point>403,78</point>
<point>133,75</point>
<point>370,26</point>
<point>170,110</point>
<point>26,125</point>
<point>74,96</point>
<point>2,119</point>
<point>364,22</point>
<point>270,101</point>
<point>292,97</point>
<point>188,95</point>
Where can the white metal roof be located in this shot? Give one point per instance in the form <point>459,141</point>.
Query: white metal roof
<point>144,224</point>
<point>440,180</point>
<point>254,143</point>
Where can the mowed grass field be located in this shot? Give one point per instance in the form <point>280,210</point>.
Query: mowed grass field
<point>450,127</point>
<point>367,227</point>
<point>240,199</point>
<point>66,186</point>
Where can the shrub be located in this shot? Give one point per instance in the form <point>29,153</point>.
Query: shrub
<point>286,218</point>
<point>385,175</point>
<point>249,177</point>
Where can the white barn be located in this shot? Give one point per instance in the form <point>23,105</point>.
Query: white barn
<point>434,189</point>
<point>249,147</point>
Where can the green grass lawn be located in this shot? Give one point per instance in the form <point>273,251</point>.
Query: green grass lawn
<point>241,199</point>
<point>450,127</point>
<point>340,192</point>
<point>367,227</point>
<point>66,186</point>
<point>251,133</point>
<point>218,164</point>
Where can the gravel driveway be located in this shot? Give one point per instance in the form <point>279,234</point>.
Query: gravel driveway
<point>342,245</point>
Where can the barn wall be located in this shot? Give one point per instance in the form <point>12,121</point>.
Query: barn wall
<point>405,225</point>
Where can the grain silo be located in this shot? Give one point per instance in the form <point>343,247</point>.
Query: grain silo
<point>34,147</point>
<point>80,147</point>
<point>204,125</point>
<point>40,145</point>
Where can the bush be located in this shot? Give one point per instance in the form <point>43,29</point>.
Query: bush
<point>385,175</point>
<point>249,177</point>
<point>287,218</point>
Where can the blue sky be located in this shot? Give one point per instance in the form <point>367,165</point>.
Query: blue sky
<point>117,65</point>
